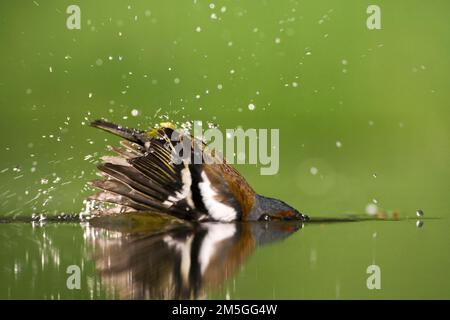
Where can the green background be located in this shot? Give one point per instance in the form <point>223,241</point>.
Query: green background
<point>382,94</point>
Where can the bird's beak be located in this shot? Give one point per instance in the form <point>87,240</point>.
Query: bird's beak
<point>290,215</point>
<point>302,217</point>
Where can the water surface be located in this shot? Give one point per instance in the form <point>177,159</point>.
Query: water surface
<point>130,260</point>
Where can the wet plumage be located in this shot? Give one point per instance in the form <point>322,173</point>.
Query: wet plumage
<point>144,176</point>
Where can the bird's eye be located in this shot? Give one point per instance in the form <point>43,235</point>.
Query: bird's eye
<point>265,217</point>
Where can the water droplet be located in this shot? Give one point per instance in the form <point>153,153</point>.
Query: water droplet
<point>419,213</point>
<point>135,112</point>
<point>371,209</point>
<point>99,62</point>
<point>338,144</point>
<point>198,29</point>
<point>314,171</point>
<point>251,107</point>
<point>277,40</point>
<point>176,80</point>
<point>419,223</point>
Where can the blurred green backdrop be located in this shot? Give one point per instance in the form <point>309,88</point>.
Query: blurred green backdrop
<point>363,114</point>
<point>383,94</point>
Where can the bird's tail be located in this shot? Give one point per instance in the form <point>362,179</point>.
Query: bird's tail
<point>132,135</point>
<point>143,176</point>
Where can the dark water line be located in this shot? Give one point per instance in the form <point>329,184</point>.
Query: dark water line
<point>362,218</point>
<point>76,217</point>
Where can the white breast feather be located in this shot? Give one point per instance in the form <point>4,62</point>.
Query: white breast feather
<point>217,210</point>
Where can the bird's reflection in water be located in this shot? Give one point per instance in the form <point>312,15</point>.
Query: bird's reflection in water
<point>183,262</point>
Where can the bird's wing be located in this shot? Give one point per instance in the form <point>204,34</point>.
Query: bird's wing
<point>145,176</point>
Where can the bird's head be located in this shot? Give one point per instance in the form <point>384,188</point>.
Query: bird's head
<point>266,209</point>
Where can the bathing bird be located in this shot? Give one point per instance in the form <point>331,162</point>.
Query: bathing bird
<point>149,173</point>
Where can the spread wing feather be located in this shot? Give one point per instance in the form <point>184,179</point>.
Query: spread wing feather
<point>144,176</point>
